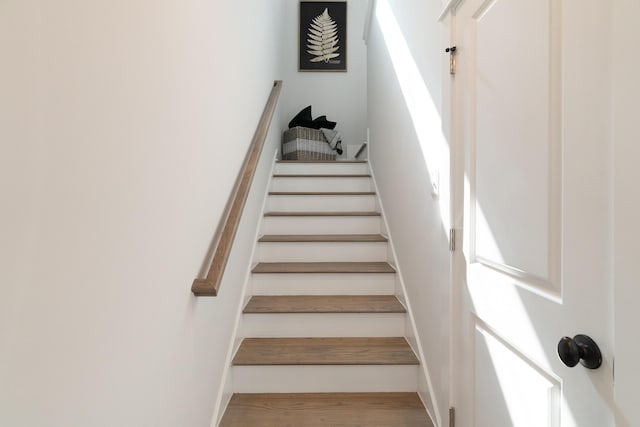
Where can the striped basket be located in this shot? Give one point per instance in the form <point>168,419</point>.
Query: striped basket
<point>300,143</point>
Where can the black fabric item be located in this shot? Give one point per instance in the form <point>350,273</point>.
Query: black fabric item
<point>322,122</point>
<point>303,118</point>
<point>339,147</point>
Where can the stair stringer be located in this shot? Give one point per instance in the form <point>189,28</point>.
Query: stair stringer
<point>225,391</point>
<point>425,385</point>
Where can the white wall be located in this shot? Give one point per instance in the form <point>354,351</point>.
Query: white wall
<point>338,95</point>
<point>122,127</point>
<point>405,114</point>
<point>626,151</point>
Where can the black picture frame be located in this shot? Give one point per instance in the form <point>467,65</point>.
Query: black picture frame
<point>322,36</point>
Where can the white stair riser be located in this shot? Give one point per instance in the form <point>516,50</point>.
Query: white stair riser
<point>289,203</point>
<point>307,325</point>
<point>322,168</point>
<point>322,251</point>
<point>321,184</point>
<point>321,225</point>
<point>320,379</point>
<point>323,284</point>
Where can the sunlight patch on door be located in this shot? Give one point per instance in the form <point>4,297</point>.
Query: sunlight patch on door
<point>510,389</point>
<point>500,299</point>
<point>493,259</point>
<point>515,139</point>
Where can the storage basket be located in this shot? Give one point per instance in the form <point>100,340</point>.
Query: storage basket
<point>300,143</point>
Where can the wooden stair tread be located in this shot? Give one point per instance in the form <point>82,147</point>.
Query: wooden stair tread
<point>322,193</point>
<point>322,238</point>
<point>323,267</point>
<point>326,409</point>
<point>271,214</point>
<point>321,175</point>
<point>324,304</point>
<point>321,161</point>
<point>325,351</point>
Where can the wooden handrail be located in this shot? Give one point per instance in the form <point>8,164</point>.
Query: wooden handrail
<point>223,240</point>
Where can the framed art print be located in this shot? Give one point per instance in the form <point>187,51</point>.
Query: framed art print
<point>322,36</point>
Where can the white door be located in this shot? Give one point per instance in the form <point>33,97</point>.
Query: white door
<point>532,126</point>
<point>626,93</point>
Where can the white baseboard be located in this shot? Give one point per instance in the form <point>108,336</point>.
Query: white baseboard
<point>425,385</point>
<point>225,391</point>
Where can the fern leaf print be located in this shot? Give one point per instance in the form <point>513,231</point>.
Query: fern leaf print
<point>322,38</point>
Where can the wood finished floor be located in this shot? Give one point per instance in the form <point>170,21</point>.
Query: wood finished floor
<point>321,161</point>
<point>324,304</point>
<point>323,267</point>
<point>307,238</point>
<point>326,409</point>
<point>309,214</point>
<point>321,175</point>
<point>322,193</point>
<point>325,351</point>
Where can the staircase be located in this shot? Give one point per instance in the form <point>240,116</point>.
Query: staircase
<point>324,332</point>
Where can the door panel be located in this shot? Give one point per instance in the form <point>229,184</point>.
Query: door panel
<point>535,250</point>
<point>514,147</point>
<point>501,367</point>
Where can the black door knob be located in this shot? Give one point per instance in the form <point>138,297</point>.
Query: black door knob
<point>581,349</point>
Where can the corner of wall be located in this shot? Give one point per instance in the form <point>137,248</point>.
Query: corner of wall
<point>405,78</point>
<point>425,385</point>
